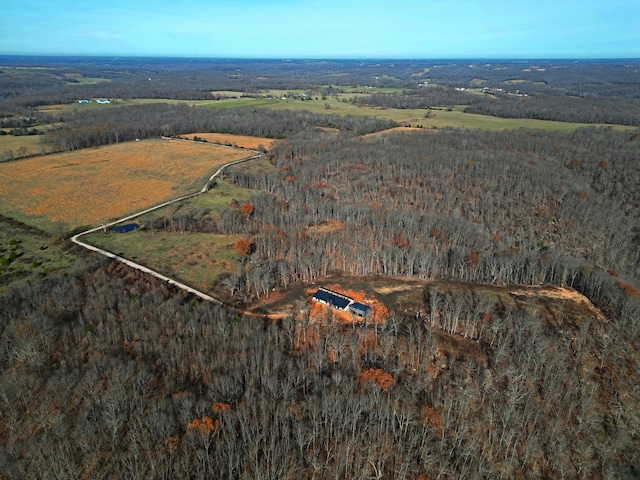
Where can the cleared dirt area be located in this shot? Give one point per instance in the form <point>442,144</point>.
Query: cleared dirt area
<point>396,288</point>
<point>559,305</point>
<point>392,130</point>
<point>333,131</point>
<point>241,141</point>
<point>405,297</point>
<point>327,227</point>
<point>284,302</point>
<point>93,186</point>
<point>552,292</point>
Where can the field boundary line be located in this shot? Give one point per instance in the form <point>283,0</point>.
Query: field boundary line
<point>207,186</point>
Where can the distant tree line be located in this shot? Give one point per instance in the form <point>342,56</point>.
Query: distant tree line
<point>179,79</point>
<point>563,108</point>
<point>91,128</point>
<point>433,96</point>
<point>196,79</point>
<point>542,106</point>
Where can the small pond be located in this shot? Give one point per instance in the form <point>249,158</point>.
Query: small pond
<point>126,228</point>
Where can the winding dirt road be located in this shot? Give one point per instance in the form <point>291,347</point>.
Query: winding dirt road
<point>76,238</point>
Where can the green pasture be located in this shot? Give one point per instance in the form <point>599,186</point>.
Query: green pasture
<point>26,255</point>
<point>242,102</point>
<point>441,118</point>
<point>228,93</point>
<point>80,80</point>
<point>197,259</point>
<point>258,166</point>
<point>25,71</point>
<point>12,147</point>
<point>338,104</point>
<point>214,201</point>
<point>458,119</point>
<point>115,103</point>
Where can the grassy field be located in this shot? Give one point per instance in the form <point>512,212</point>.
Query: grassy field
<point>114,103</point>
<point>77,79</point>
<point>196,259</point>
<point>27,256</point>
<point>456,118</point>
<point>338,104</point>
<point>219,197</point>
<point>258,166</point>
<point>15,147</point>
<point>232,100</point>
<point>93,186</point>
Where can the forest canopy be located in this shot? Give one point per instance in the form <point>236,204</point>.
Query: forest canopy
<point>509,345</point>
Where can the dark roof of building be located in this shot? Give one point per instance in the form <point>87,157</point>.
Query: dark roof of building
<point>359,309</point>
<point>334,299</point>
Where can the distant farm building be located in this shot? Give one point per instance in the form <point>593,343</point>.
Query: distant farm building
<point>340,302</point>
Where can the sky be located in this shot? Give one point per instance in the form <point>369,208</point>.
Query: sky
<point>420,29</point>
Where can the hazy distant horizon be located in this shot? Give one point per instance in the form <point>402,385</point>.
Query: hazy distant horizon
<point>323,59</point>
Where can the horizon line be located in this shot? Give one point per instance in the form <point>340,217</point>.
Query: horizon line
<point>294,58</point>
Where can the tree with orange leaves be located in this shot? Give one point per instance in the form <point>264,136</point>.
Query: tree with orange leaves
<point>378,377</point>
<point>204,429</point>
<point>244,247</point>
<point>219,407</point>
<point>246,210</point>
<point>473,259</point>
<point>171,443</point>
<point>205,425</point>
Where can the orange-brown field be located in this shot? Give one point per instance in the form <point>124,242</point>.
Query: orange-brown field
<point>93,186</point>
<point>242,141</point>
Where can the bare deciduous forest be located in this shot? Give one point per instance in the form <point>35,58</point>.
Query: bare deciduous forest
<point>108,373</point>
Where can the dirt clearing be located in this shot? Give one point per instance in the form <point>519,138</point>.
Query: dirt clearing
<point>241,141</point>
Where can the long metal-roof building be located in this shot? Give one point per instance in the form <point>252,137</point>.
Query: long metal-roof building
<point>333,299</point>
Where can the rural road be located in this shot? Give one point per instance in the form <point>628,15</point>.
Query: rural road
<point>76,238</point>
